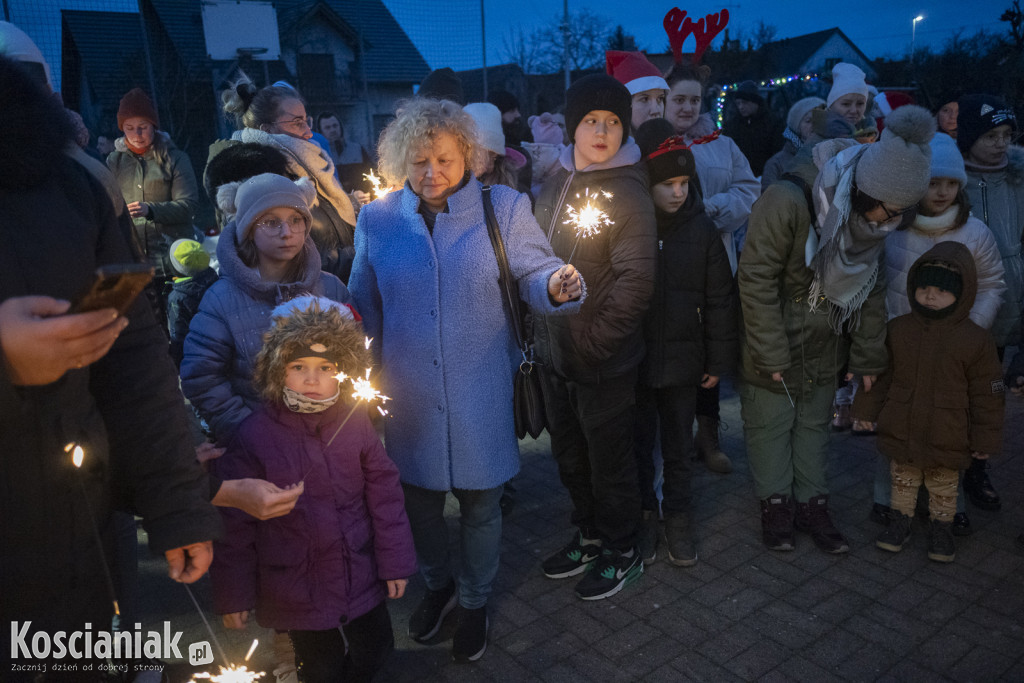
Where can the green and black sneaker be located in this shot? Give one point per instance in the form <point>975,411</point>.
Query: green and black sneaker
<point>610,574</point>
<point>573,559</point>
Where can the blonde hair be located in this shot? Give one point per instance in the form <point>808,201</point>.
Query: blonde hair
<point>418,121</point>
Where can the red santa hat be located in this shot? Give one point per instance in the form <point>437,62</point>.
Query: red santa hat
<point>634,71</point>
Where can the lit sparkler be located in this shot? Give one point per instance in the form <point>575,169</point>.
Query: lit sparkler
<point>77,458</point>
<point>588,219</point>
<point>379,188</point>
<point>230,674</point>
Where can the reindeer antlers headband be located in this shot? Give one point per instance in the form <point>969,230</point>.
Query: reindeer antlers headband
<point>678,26</point>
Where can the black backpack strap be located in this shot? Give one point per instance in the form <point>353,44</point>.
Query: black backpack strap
<point>802,184</point>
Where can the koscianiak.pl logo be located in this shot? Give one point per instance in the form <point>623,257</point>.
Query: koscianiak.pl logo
<point>41,651</point>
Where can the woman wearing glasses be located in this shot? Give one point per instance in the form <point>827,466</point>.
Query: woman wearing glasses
<point>813,302</point>
<point>267,256</point>
<point>275,116</point>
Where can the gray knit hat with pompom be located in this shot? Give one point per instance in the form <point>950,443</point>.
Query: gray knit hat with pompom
<point>896,169</point>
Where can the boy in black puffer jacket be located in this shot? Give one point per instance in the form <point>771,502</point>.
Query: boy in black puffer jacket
<point>691,335</point>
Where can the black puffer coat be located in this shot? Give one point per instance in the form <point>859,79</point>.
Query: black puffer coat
<point>605,338</point>
<point>57,225</point>
<point>691,326</point>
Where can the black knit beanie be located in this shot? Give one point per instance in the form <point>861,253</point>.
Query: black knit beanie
<point>941,276</point>
<point>597,92</point>
<point>443,84</point>
<point>671,161</point>
<point>978,115</point>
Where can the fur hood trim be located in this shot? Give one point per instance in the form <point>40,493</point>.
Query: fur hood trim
<point>704,126</point>
<point>309,322</point>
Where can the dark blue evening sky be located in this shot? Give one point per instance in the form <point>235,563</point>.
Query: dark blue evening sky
<point>448,33</point>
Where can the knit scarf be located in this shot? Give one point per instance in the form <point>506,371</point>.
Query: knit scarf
<point>136,150</point>
<point>847,259</point>
<point>932,225</point>
<point>306,159</point>
<point>297,403</point>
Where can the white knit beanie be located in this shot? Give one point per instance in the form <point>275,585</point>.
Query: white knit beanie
<point>846,79</point>
<point>248,199</point>
<point>799,110</point>
<point>947,162</point>
<point>488,126</point>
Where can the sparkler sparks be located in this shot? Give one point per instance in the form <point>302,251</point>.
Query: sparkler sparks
<point>588,219</point>
<point>231,674</point>
<point>379,188</point>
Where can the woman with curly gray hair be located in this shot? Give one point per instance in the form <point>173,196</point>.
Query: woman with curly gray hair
<point>425,280</point>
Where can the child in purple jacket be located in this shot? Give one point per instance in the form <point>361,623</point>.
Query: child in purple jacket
<point>321,572</point>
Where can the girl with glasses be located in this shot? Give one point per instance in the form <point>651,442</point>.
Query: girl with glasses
<point>275,116</point>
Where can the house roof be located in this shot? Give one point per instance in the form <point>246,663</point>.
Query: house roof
<point>110,47</point>
<point>389,54</point>
<point>787,55</point>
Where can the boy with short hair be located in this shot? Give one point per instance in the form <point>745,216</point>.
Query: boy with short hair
<point>592,358</point>
<point>691,335</point>
<point>940,405</point>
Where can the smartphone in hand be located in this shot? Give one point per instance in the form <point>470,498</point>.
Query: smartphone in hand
<point>115,286</point>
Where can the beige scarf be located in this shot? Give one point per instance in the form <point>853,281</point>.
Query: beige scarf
<point>307,159</point>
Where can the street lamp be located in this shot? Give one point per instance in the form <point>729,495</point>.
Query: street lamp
<point>913,33</point>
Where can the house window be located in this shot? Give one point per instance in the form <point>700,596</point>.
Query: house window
<point>831,62</point>
<point>317,80</point>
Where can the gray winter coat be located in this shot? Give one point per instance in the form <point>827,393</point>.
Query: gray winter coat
<point>227,333</point>
<point>997,198</point>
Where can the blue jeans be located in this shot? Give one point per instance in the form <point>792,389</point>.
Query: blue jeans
<point>480,547</point>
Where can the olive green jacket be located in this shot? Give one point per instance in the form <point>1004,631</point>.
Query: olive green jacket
<point>781,333</point>
<point>163,179</point>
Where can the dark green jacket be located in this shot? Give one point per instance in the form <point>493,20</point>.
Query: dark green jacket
<point>163,178</point>
<point>781,334</point>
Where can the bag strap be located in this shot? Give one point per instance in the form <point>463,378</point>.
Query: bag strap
<point>802,184</point>
<point>508,285</point>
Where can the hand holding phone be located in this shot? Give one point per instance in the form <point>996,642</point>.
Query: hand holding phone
<point>40,342</point>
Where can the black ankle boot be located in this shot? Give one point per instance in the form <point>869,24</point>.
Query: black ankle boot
<point>978,487</point>
<point>777,522</point>
<point>813,518</point>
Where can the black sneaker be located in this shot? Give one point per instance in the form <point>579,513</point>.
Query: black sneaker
<point>979,489</point>
<point>962,525</point>
<point>647,536</point>
<point>573,559</point>
<point>941,546</point>
<point>470,640</point>
<point>609,574</point>
<point>426,621</point>
<point>679,539</point>
<point>896,533</point>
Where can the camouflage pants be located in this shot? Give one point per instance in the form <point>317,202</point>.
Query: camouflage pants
<point>941,484</point>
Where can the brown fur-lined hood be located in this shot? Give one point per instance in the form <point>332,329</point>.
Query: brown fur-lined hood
<point>303,322</point>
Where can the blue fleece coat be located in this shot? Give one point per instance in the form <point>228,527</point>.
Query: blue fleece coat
<point>442,335</point>
<point>227,332</point>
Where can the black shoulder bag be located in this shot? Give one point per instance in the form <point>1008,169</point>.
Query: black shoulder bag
<point>527,398</point>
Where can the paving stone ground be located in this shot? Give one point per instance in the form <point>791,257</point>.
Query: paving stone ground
<point>742,613</point>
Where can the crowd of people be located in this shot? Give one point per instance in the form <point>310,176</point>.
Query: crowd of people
<point>846,278</point>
